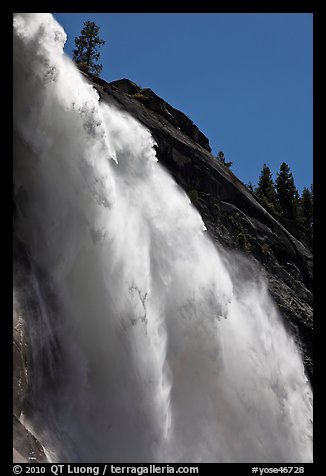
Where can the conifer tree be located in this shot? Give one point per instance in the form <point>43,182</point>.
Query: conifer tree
<point>287,196</point>
<point>250,187</point>
<point>86,53</point>
<point>306,206</point>
<point>265,187</point>
<point>221,157</point>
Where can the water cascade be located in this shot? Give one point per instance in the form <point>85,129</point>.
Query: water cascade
<point>147,343</point>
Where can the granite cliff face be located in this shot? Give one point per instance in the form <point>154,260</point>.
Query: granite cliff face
<point>232,214</point>
<point>26,447</point>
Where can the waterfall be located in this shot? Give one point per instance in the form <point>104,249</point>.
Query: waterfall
<point>147,344</point>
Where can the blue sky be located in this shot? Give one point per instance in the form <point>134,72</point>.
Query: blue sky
<point>244,79</point>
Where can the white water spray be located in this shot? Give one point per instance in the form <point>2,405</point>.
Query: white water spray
<point>146,348</point>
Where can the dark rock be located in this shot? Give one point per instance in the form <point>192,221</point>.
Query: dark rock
<point>20,350</point>
<point>19,365</point>
<point>126,86</point>
<point>26,448</point>
<point>151,101</point>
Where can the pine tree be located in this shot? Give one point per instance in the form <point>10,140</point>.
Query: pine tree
<point>87,44</point>
<point>265,188</point>
<point>287,196</point>
<point>221,157</point>
<point>250,187</point>
<point>306,206</point>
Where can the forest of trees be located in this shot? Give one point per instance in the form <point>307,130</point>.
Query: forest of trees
<point>282,197</point>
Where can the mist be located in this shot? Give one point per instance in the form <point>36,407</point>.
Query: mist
<point>147,342</point>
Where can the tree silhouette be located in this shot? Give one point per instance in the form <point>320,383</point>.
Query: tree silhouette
<point>250,187</point>
<point>306,205</point>
<point>221,157</point>
<point>265,187</point>
<point>287,195</point>
<point>87,44</point>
